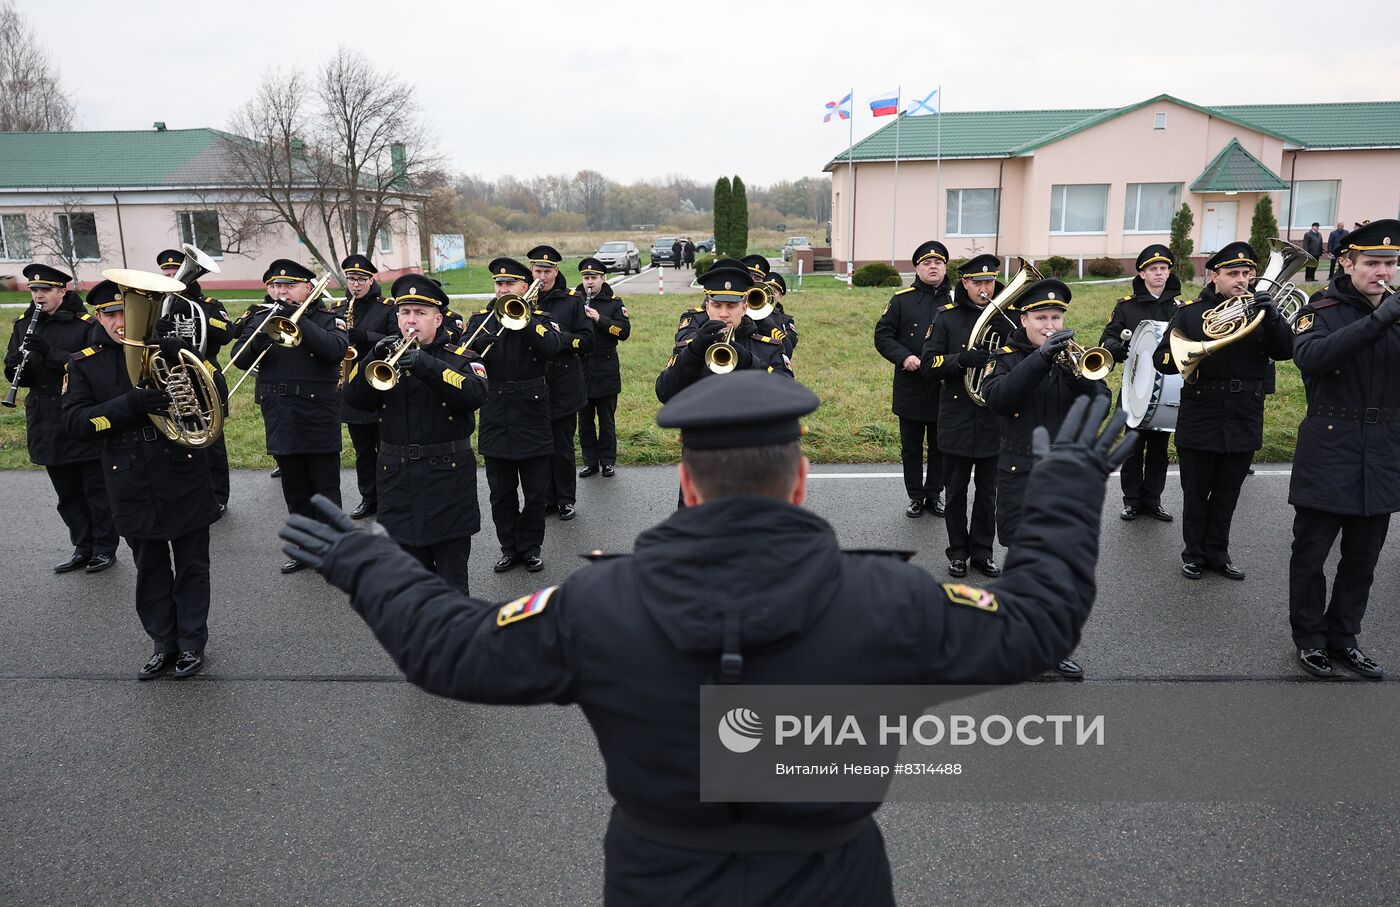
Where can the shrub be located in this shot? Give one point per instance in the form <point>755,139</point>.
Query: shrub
<point>1263,228</point>
<point>1104,267</point>
<point>1182,244</point>
<point>877,274</point>
<point>703,262</point>
<point>956,265</point>
<point>1057,266</point>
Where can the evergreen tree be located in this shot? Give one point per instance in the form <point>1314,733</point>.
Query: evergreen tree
<point>739,218</point>
<point>1182,244</point>
<point>1264,227</point>
<point>723,196</point>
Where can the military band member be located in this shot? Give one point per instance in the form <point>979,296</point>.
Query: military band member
<point>55,326</point>
<point>899,337</point>
<point>568,389</point>
<point>968,435</point>
<point>1031,385</point>
<point>1221,420</point>
<point>781,317</point>
<point>1347,346</point>
<point>369,318</point>
<point>629,638</point>
<point>162,494</point>
<point>725,284</point>
<point>298,389</point>
<point>597,430</point>
<point>774,324</point>
<point>1154,298</point>
<point>515,437</point>
<point>426,470</point>
<point>220,330</point>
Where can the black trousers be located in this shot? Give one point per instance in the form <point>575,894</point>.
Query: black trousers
<point>1309,274</point>
<point>970,540</point>
<point>1011,500</point>
<point>1331,269</point>
<point>306,474</point>
<point>448,559</point>
<point>597,431</point>
<point>519,529</point>
<point>83,506</point>
<point>1144,473</point>
<point>365,440</point>
<point>173,604</point>
<point>563,481</point>
<point>1210,489</point>
<point>1317,624</point>
<point>218,469</point>
<point>920,484</point>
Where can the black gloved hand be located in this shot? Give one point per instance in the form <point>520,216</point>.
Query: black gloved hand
<point>383,348</point>
<point>309,541</point>
<point>744,359</point>
<point>145,401</point>
<point>746,328</point>
<point>1056,344</point>
<point>707,335</point>
<point>38,347</point>
<point>1079,437</point>
<point>1265,303</point>
<point>974,358</point>
<point>358,337</point>
<point>170,348</point>
<point>417,363</point>
<point>165,326</point>
<point>1388,312</point>
<point>180,307</point>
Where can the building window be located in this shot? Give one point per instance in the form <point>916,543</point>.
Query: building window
<point>1159,121</point>
<point>77,234</point>
<point>1078,209</point>
<point>1316,202</point>
<point>14,237</point>
<point>972,212</point>
<point>1149,207</point>
<point>201,230</point>
<point>386,241</point>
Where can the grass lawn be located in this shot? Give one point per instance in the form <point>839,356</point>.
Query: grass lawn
<point>836,358</point>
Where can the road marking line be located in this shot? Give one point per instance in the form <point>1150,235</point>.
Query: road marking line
<point>900,475</point>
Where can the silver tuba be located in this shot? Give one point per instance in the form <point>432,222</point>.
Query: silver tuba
<point>1285,260</point>
<point>194,327</point>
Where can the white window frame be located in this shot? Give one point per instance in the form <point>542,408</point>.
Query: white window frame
<point>1063,189</point>
<point>950,210</point>
<point>1135,191</point>
<point>11,254</point>
<point>1159,121</point>
<point>385,243</point>
<point>1307,219</point>
<point>186,218</point>
<point>65,226</point>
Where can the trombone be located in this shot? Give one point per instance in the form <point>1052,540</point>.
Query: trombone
<point>512,311</point>
<point>383,374</point>
<point>283,330</point>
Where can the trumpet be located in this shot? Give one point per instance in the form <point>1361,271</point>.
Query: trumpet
<point>383,374</point>
<point>1093,363</point>
<point>758,302</point>
<point>722,358</point>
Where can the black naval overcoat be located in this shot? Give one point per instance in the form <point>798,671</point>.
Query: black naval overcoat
<point>568,390</point>
<point>601,366</point>
<point>1138,306</point>
<point>66,331</point>
<point>376,317</point>
<point>900,333</point>
<point>687,366</point>
<point>964,428</point>
<point>515,417</point>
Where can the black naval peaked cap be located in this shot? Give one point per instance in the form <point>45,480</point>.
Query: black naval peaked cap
<point>744,408</point>
<point>1044,294</point>
<point>170,258</point>
<point>778,279</point>
<point>1153,254</point>
<point>284,270</point>
<point>591,265</point>
<point>727,278</point>
<point>418,289</point>
<point>105,296</point>
<point>359,265</point>
<point>758,265</point>
<point>931,249</point>
<point>544,255</point>
<point>1379,238</point>
<point>980,268</point>
<point>1232,256</point>
<point>40,275</point>
<point>508,269</point>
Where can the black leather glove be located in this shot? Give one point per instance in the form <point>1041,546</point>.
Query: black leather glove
<point>1079,436</point>
<point>1388,312</point>
<point>417,363</point>
<point>707,335</point>
<point>746,328</point>
<point>180,307</point>
<point>165,326</point>
<point>148,400</point>
<point>170,348</point>
<point>1266,304</point>
<point>383,348</point>
<point>1056,344</point>
<point>38,347</point>
<point>745,358</point>
<point>974,358</point>
<point>309,541</point>
<point>358,337</point>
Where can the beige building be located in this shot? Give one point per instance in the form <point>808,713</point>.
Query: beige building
<point>119,198</point>
<point>1091,183</point>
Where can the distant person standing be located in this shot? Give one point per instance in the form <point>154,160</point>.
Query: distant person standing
<point>1312,244</point>
<point>677,253</point>
<point>689,252</point>
<point>1336,244</point>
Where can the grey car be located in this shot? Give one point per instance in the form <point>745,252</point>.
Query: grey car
<point>620,256</point>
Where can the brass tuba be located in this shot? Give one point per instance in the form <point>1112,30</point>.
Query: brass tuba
<point>196,415</point>
<point>985,332</point>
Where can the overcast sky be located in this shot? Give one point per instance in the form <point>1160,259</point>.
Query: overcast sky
<point>642,90</point>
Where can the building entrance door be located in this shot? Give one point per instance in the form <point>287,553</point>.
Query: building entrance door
<point>1218,225</point>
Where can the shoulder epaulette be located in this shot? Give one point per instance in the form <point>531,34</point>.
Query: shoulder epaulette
<point>1184,302</point>
<point>483,311</point>
<point>541,312</point>
<point>460,350</point>
<point>1128,298</point>
<point>86,352</point>
<point>944,308</point>
<point>903,291</point>
<point>698,308</point>
<point>599,555</point>
<point>881,552</point>
<point>86,317</point>
<point>1006,349</point>
<point>1324,303</point>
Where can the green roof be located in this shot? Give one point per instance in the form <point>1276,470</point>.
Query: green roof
<point>85,160</point>
<point>1236,170</point>
<point>1007,133</point>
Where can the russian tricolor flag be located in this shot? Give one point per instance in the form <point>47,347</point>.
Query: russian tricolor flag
<point>885,104</point>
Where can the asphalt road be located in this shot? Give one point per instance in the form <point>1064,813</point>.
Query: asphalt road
<point>300,768</point>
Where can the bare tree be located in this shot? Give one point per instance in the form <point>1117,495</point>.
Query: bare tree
<point>31,98</point>
<point>591,188</point>
<point>67,233</point>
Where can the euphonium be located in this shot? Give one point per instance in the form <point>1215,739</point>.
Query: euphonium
<point>196,415</point>
<point>383,374</point>
<point>722,358</point>
<point>983,334</point>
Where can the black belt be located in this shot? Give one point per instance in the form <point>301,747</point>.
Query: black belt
<point>745,837</point>
<point>296,390</point>
<point>1232,386</point>
<point>1370,415</point>
<point>1022,449</point>
<point>421,451</point>
<point>518,385</point>
<point>144,433</point>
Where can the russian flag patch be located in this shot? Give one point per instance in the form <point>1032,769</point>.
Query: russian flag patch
<point>523,607</point>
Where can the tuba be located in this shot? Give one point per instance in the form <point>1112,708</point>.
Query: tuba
<point>1285,260</point>
<point>196,414</point>
<point>986,334</point>
<point>194,327</point>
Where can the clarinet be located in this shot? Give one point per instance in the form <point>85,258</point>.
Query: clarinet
<point>13,392</point>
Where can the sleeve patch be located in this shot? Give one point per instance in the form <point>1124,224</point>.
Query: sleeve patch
<point>971,597</point>
<point>1303,324</point>
<point>615,331</point>
<point>101,423</point>
<point>478,368</point>
<point>576,342</point>
<point>685,322</point>
<point>524,606</point>
<point>453,378</point>
<point>937,361</point>
<point>214,322</point>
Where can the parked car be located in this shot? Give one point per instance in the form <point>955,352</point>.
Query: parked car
<point>794,242</point>
<point>620,256</point>
<point>661,251</point>
<point>706,245</point>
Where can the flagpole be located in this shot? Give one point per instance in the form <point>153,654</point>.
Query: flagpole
<point>851,190</point>
<point>938,167</point>
<point>894,206</point>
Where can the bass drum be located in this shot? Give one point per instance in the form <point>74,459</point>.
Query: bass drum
<point>1150,398</point>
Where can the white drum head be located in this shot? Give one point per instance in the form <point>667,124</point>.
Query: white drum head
<point>1149,398</point>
